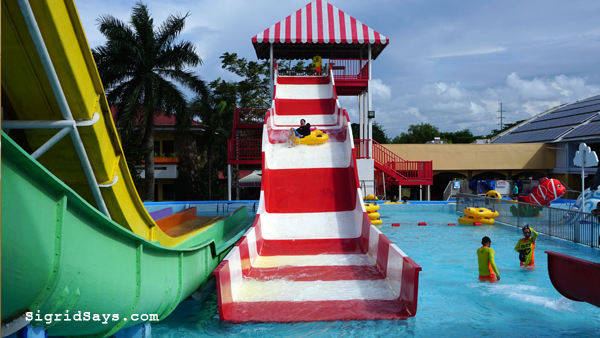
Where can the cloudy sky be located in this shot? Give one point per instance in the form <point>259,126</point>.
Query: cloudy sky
<point>449,63</point>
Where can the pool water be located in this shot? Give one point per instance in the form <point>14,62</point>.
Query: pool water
<point>452,301</point>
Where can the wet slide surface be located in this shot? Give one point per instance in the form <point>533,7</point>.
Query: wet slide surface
<point>312,253</point>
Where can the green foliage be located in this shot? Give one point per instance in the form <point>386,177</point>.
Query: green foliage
<point>134,155</point>
<point>526,210</point>
<point>424,132</point>
<point>252,91</point>
<point>461,136</point>
<point>378,133</point>
<point>418,133</point>
<point>505,127</point>
<point>138,65</point>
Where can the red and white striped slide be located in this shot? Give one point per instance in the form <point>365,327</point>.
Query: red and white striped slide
<point>312,253</point>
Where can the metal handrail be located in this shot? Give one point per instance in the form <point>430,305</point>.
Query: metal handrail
<point>571,225</point>
<point>244,149</point>
<point>42,51</point>
<point>349,69</point>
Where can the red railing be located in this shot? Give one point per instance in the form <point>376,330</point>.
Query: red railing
<point>393,164</point>
<point>414,170</point>
<point>242,151</point>
<point>361,148</point>
<point>349,69</point>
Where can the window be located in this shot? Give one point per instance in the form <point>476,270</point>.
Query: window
<point>168,148</point>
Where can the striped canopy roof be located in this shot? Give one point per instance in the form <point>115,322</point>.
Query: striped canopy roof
<point>322,28</point>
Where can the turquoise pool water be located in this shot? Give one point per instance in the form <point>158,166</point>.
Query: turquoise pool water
<point>452,301</point>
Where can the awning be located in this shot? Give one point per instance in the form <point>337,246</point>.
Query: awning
<point>322,28</point>
<point>252,180</point>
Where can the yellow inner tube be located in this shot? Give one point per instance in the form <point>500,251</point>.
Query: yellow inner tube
<point>392,203</point>
<point>370,198</point>
<point>471,220</point>
<point>480,212</point>
<point>371,207</point>
<point>373,215</point>
<point>316,137</point>
<point>376,221</point>
<point>493,194</point>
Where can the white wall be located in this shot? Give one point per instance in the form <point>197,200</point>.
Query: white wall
<point>365,168</point>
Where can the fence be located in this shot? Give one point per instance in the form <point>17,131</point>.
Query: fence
<point>349,69</point>
<point>575,226</point>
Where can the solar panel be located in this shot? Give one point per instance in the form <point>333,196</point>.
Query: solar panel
<point>544,124</point>
<point>533,136</point>
<point>564,121</point>
<point>587,102</point>
<point>563,113</point>
<point>590,129</point>
<point>593,98</point>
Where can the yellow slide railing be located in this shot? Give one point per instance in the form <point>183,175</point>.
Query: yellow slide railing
<point>27,95</point>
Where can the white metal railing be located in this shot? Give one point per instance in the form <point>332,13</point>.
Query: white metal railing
<point>68,125</point>
<point>366,185</point>
<point>575,226</point>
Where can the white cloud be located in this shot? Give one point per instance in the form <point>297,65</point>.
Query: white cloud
<point>447,74</point>
<point>380,90</point>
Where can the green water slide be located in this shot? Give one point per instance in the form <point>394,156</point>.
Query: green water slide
<point>60,254</point>
<point>76,238</point>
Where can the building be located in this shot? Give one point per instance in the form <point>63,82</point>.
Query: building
<point>562,129</point>
<point>166,162</point>
<point>541,146</point>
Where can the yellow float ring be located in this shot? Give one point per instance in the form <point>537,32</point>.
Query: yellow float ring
<point>371,207</point>
<point>480,212</point>
<point>376,221</point>
<point>493,194</point>
<point>471,220</point>
<point>373,215</point>
<point>315,137</point>
<point>370,198</point>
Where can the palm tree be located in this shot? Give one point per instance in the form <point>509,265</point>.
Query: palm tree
<point>137,65</point>
<point>216,115</point>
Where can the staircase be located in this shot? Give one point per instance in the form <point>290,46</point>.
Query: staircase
<point>244,147</point>
<point>398,171</point>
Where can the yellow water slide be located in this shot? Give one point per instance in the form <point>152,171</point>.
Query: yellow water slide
<point>29,94</point>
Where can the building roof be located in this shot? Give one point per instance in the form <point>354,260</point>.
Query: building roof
<point>575,121</point>
<point>322,28</point>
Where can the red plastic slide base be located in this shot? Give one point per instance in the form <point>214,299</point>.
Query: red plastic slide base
<point>574,278</point>
<point>289,312</point>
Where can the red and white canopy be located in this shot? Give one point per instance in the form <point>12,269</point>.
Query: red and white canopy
<point>322,28</point>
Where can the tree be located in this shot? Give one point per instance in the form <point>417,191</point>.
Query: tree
<point>418,133</point>
<point>254,88</point>
<point>461,136</point>
<point>216,115</point>
<point>137,66</point>
<point>378,133</point>
<point>505,127</point>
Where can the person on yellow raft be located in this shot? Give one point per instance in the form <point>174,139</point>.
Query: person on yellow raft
<point>526,247</point>
<point>487,265</point>
<point>303,130</point>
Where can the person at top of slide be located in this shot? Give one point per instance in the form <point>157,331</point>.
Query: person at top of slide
<point>317,62</point>
<point>526,247</point>
<point>485,259</point>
